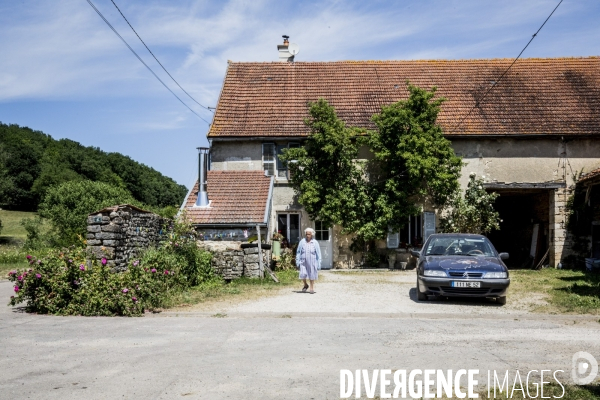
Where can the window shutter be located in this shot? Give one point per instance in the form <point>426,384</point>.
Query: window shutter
<point>429,225</point>
<point>393,240</point>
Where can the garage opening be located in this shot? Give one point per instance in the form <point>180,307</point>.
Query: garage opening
<point>524,230</point>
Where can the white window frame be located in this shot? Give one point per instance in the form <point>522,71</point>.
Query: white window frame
<point>394,239</point>
<point>272,163</point>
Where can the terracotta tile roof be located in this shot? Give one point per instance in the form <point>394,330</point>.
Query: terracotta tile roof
<point>537,96</point>
<point>592,175</point>
<point>236,197</point>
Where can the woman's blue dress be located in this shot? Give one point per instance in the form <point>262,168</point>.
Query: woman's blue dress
<point>308,259</point>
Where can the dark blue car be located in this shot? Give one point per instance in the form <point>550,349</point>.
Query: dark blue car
<point>461,265</point>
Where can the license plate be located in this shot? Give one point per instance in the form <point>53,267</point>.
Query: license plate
<point>466,284</point>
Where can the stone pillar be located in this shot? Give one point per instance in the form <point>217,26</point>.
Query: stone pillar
<point>251,265</point>
<point>560,241</point>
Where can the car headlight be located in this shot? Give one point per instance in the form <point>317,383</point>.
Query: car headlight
<point>428,272</point>
<point>495,275</point>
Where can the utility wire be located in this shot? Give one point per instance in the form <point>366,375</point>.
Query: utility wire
<point>480,100</point>
<point>142,61</point>
<point>159,63</point>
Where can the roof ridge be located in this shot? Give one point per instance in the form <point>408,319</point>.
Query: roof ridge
<point>424,60</point>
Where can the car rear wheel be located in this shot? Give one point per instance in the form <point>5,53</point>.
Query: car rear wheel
<point>501,300</point>
<point>420,296</point>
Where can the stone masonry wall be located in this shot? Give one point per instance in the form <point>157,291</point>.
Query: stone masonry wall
<point>561,241</point>
<point>119,233</point>
<point>231,261</point>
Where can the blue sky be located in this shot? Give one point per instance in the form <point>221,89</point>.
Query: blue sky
<point>64,72</point>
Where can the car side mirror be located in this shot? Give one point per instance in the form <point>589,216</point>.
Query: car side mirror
<point>415,253</point>
<point>503,256</point>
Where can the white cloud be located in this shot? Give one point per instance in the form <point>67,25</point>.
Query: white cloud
<point>63,49</point>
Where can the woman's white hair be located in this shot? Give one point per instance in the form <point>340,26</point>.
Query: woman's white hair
<point>311,230</point>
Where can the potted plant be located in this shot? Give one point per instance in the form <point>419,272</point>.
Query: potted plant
<point>391,256</point>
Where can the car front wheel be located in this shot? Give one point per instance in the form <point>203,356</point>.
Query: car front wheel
<point>501,300</point>
<point>420,296</point>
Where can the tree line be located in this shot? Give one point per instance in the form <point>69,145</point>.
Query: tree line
<point>31,162</point>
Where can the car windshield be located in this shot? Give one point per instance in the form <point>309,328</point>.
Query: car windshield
<point>459,246</point>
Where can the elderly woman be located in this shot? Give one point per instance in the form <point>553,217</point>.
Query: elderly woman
<point>308,259</point>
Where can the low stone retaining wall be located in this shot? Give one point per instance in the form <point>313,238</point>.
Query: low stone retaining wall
<point>120,233</point>
<point>231,261</point>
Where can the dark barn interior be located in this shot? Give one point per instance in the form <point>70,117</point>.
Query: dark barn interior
<point>524,227</point>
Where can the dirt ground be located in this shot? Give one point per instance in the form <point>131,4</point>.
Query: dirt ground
<point>368,292</point>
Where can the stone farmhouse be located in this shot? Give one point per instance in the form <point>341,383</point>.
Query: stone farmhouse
<point>538,126</point>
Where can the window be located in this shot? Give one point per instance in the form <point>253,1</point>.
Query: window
<point>321,231</point>
<point>281,169</point>
<point>268,158</point>
<point>459,245</point>
<point>415,232</point>
<point>271,161</point>
<point>393,239</point>
<point>289,226</point>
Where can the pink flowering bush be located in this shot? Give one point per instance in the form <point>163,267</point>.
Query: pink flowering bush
<point>67,282</point>
<point>71,282</point>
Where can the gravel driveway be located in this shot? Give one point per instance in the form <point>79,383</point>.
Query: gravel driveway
<point>368,292</point>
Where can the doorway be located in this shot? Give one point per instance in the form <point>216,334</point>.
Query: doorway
<point>324,237</point>
<point>289,226</point>
<point>524,230</point>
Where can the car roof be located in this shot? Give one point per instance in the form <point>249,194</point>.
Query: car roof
<point>465,235</point>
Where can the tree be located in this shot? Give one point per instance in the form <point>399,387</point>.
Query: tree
<point>6,182</point>
<point>473,213</point>
<point>67,206</point>
<point>34,161</point>
<point>325,173</point>
<point>412,162</point>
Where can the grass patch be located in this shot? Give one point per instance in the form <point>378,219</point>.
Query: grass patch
<point>6,268</point>
<point>12,231</point>
<point>236,290</point>
<point>566,291</point>
<point>11,258</point>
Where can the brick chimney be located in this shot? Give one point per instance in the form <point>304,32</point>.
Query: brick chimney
<point>284,54</point>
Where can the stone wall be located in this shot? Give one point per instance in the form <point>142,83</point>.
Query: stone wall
<point>231,261</point>
<point>119,233</point>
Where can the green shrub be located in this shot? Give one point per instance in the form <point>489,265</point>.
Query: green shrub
<point>287,260</point>
<point>67,206</point>
<point>65,283</point>
<point>38,235</point>
<point>182,243</point>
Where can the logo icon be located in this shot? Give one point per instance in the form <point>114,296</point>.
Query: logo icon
<point>466,275</point>
<point>584,368</point>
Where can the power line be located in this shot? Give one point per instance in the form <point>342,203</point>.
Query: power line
<point>159,63</point>
<point>495,83</point>
<point>142,61</point>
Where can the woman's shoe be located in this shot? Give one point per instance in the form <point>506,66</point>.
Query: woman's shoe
<point>304,288</point>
